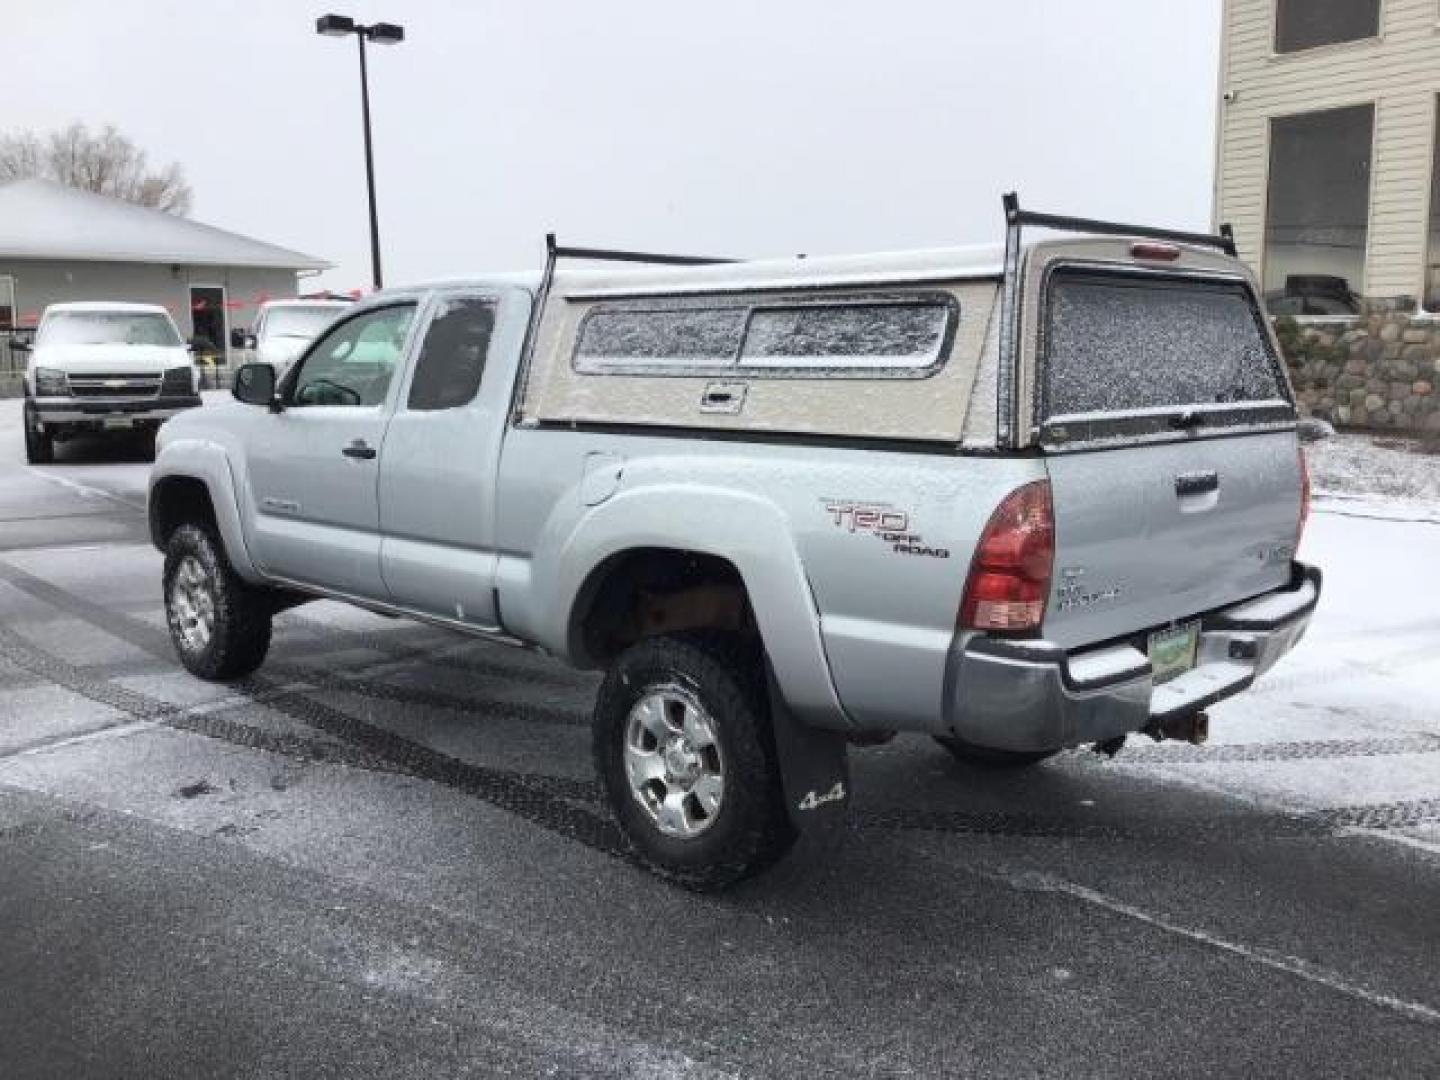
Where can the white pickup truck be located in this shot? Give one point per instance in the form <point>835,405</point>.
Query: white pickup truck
<point>104,367</point>
<point>1019,500</point>
<point>283,328</point>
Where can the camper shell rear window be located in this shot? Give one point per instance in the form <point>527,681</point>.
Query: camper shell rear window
<point>856,336</point>
<point>1143,354</point>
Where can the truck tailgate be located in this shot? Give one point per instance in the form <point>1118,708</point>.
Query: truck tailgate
<point>1167,426</point>
<point>1146,535</point>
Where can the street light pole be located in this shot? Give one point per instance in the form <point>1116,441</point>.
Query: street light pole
<point>369,166</point>
<point>383,34</point>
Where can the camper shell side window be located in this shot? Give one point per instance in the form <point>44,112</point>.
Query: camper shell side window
<point>860,336</point>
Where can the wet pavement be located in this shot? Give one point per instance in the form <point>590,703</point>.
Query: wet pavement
<point>385,855</point>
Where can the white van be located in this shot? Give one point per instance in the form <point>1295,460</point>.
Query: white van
<point>104,367</point>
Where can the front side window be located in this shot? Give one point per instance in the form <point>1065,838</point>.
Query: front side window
<point>354,363</point>
<point>1317,211</point>
<point>107,328</point>
<point>1308,24</point>
<point>452,358</point>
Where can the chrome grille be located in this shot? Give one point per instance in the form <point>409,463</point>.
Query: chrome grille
<point>115,386</point>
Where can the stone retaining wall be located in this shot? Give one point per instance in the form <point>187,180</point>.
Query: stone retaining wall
<point>1377,371</point>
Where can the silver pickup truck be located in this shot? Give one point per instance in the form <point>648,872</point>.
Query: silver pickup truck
<point>1018,499</point>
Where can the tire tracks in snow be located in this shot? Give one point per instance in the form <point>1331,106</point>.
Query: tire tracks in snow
<point>574,808</point>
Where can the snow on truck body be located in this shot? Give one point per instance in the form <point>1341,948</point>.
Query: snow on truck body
<point>1019,499</point>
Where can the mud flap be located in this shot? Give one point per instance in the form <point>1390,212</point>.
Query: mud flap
<point>814,766</point>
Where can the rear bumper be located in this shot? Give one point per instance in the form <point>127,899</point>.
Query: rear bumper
<point>93,412</point>
<point>1034,695</point>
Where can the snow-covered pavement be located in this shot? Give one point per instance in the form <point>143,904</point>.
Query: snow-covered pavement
<point>388,848</point>
<point>1351,719</point>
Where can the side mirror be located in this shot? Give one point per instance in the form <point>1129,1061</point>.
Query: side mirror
<point>1313,430</point>
<point>255,385</point>
<point>237,338</point>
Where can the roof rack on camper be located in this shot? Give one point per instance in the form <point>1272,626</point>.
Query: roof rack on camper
<point>1016,219</point>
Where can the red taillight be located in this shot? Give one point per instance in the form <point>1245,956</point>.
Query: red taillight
<point>1010,573</point>
<point>1159,252</point>
<point>1304,499</point>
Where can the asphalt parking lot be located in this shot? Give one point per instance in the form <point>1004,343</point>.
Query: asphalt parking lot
<point>384,855</point>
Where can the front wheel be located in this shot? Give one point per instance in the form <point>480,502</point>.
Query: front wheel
<point>683,746</point>
<point>220,624</point>
<point>986,758</point>
<point>39,445</point>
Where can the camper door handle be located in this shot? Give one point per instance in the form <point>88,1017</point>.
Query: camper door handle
<point>1197,483</point>
<point>359,449</point>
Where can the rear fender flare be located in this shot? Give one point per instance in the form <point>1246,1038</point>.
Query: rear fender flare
<point>744,529</point>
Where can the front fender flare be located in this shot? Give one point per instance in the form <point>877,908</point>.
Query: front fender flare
<point>207,462</point>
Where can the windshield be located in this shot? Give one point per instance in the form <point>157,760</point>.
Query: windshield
<point>107,328</point>
<point>298,322</point>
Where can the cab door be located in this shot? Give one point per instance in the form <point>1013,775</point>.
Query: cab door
<point>313,467</point>
<point>442,449</point>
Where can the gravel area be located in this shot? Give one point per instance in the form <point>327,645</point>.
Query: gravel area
<point>1377,467</point>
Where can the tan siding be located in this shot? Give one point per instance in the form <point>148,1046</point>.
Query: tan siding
<point>1399,72</point>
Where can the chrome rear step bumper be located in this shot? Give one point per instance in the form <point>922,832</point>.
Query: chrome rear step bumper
<point>1035,695</point>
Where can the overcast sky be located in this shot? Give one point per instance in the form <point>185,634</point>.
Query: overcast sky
<point>732,128</point>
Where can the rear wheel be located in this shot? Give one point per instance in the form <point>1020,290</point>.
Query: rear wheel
<point>683,747</point>
<point>219,623</point>
<point>986,758</point>
<point>39,445</point>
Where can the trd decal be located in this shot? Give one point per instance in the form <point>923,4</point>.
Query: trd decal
<point>888,524</point>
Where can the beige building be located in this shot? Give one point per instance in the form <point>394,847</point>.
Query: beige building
<point>60,244</point>
<point>1327,150</point>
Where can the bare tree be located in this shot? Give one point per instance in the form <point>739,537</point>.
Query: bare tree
<point>105,162</point>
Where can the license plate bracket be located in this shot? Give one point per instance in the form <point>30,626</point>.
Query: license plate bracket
<point>1173,651</point>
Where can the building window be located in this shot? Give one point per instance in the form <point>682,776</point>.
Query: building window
<point>1432,249</point>
<point>1308,24</point>
<point>1317,212</point>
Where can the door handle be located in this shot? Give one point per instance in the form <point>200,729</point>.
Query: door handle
<point>1197,483</point>
<point>359,449</point>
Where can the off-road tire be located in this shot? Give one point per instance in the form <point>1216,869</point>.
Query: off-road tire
<point>751,830</point>
<point>242,613</point>
<point>39,446</point>
<point>985,758</point>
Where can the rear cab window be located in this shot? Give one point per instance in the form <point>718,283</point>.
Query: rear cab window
<point>1126,355</point>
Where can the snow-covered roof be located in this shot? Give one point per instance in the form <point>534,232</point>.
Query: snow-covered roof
<point>270,305</point>
<point>879,268</point>
<point>40,219</point>
<point>105,305</point>
<point>581,278</point>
